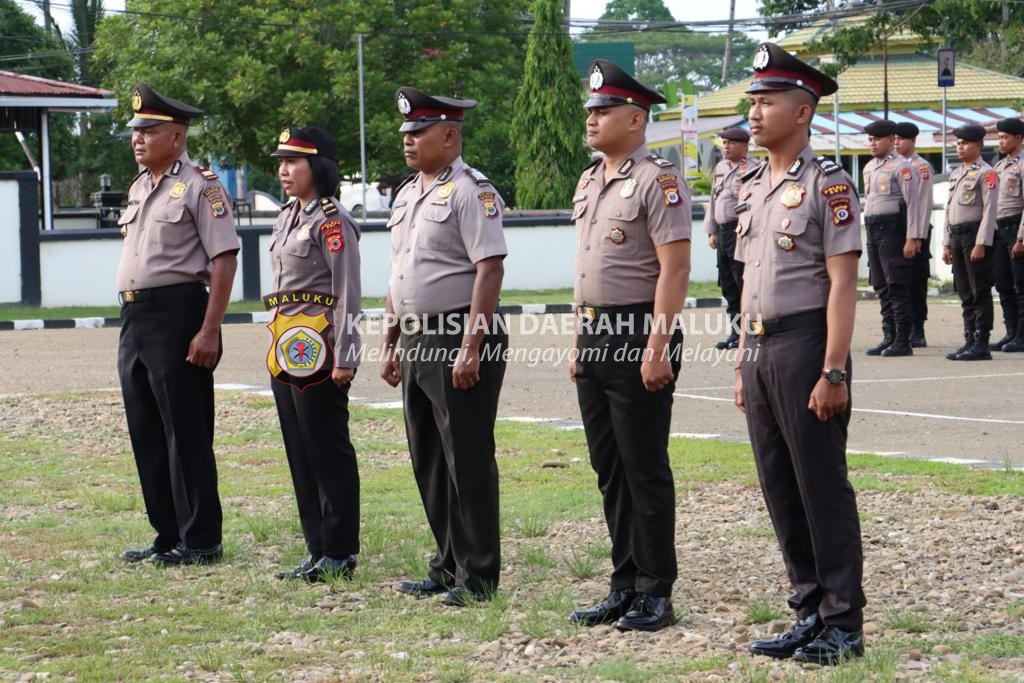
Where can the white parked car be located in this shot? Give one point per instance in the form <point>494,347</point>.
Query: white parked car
<point>378,197</point>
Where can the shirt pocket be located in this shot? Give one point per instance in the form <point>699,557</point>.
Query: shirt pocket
<point>790,239</point>
<point>297,248</point>
<point>579,209</point>
<point>169,226</point>
<point>435,233</point>
<point>622,229</point>
<point>967,193</point>
<point>394,221</point>
<point>127,218</point>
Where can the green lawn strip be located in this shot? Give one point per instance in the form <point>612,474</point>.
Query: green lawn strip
<point>75,506</point>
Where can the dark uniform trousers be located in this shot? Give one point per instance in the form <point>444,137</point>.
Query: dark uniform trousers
<point>169,407</point>
<point>730,271</point>
<point>451,441</point>
<point>322,460</point>
<point>973,281</point>
<point>919,289</point>
<point>891,275</point>
<point>801,464</point>
<point>1008,273</point>
<point>627,429</point>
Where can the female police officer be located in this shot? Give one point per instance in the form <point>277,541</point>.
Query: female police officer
<point>314,252</point>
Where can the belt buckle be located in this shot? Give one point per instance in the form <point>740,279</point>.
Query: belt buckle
<point>128,296</point>
<point>588,313</point>
<point>415,326</point>
<point>757,328</point>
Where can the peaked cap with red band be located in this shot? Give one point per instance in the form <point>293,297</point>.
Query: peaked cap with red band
<point>150,108</point>
<point>611,86</point>
<point>776,69</point>
<point>306,142</point>
<point>420,110</point>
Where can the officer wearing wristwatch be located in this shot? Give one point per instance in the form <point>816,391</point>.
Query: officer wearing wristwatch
<point>835,376</point>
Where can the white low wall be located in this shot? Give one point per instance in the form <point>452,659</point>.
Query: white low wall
<point>10,241</point>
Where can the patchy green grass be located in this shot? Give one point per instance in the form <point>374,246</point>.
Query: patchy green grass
<point>69,607</point>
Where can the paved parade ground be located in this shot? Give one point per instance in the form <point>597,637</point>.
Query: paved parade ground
<point>924,406</point>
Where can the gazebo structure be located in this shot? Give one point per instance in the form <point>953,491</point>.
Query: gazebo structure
<point>25,106</point>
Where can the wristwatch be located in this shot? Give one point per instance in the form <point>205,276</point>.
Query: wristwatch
<point>834,376</point>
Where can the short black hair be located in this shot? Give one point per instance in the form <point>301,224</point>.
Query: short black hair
<point>326,175</point>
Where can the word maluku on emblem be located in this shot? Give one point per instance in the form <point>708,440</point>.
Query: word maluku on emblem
<point>299,352</point>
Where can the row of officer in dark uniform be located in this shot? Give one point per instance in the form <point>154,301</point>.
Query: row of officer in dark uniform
<point>633,221</point>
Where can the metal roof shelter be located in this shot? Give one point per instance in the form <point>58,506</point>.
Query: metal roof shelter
<point>25,106</point>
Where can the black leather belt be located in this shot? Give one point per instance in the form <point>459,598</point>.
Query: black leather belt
<point>435,323</point>
<point>1008,222</point>
<point>594,312</point>
<point>963,228</point>
<point>761,328</point>
<point>131,296</point>
<point>886,219</point>
<point>728,225</point>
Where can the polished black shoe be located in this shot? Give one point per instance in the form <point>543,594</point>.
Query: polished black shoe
<point>301,569</point>
<point>135,555</point>
<point>608,610</point>
<point>647,613</point>
<point>186,556</point>
<point>460,596</point>
<point>328,568</point>
<point>799,634</point>
<point>422,588</point>
<point>731,342</point>
<point>832,646</point>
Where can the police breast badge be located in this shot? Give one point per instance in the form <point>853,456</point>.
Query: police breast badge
<point>446,190</point>
<point>786,243</point>
<point>793,196</point>
<point>617,236</point>
<point>178,190</point>
<point>628,188</point>
<point>303,233</point>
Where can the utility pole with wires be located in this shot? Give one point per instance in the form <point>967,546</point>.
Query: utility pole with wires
<point>728,42</point>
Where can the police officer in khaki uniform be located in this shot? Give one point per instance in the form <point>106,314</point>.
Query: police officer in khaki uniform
<point>906,145</point>
<point>1008,271</point>
<point>799,239</point>
<point>179,239</point>
<point>896,227</point>
<point>447,252</point>
<point>967,240</point>
<point>633,224</point>
<point>720,223</point>
<point>314,254</point>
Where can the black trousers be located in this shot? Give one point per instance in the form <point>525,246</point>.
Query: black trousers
<point>627,429</point>
<point>322,460</point>
<point>919,288</point>
<point>973,282</point>
<point>1008,273</point>
<point>169,407</point>
<point>730,271</point>
<point>801,464</point>
<point>890,274</point>
<point>451,441</point>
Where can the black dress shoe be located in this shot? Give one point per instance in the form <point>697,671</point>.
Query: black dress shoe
<point>328,568</point>
<point>183,556</point>
<point>730,342</point>
<point>832,646</point>
<point>460,596</point>
<point>301,569</point>
<point>608,610</point>
<point>647,613</point>
<point>421,588</point>
<point>801,633</point>
<point>134,555</point>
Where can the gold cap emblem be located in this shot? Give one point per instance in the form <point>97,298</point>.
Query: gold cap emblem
<point>284,136</point>
<point>136,100</point>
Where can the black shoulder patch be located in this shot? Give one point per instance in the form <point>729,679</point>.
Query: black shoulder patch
<point>288,204</point>
<point>408,179</point>
<point>827,165</point>
<point>328,206</point>
<point>752,171</point>
<point>660,160</point>
<point>479,177</point>
<point>141,173</point>
<point>593,162</point>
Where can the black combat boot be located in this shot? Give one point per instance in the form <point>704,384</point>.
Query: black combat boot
<point>888,336</point>
<point>979,350</point>
<point>900,344</point>
<point>968,343</point>
<point>917,339</point>
<point>1011,332</point>
<point>1016,345</point>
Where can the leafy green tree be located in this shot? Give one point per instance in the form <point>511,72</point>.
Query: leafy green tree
<point>258,65</point>
<point>637,10</point>
<point>547,126</point>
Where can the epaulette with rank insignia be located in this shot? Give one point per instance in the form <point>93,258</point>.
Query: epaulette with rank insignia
<point>288,204</point>
<point>328,206</point>
<point>827,165</point>
<point>408,179</point>
<point>141,173</point>
<point>593,162</point>
<point>660,160</point>
<point>479,177</point>
<point>206,173</point>
<point>752,171</point>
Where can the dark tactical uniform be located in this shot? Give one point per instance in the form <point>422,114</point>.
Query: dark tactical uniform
<point>171,231</point>
<point>720,221</point>
<point>892,215</point>
<point>619,224</point>
<point>1008,272</point>
<point>439,233</point>
<point>788,227</point>
<point>971,221</point>
<point>314,255</point>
